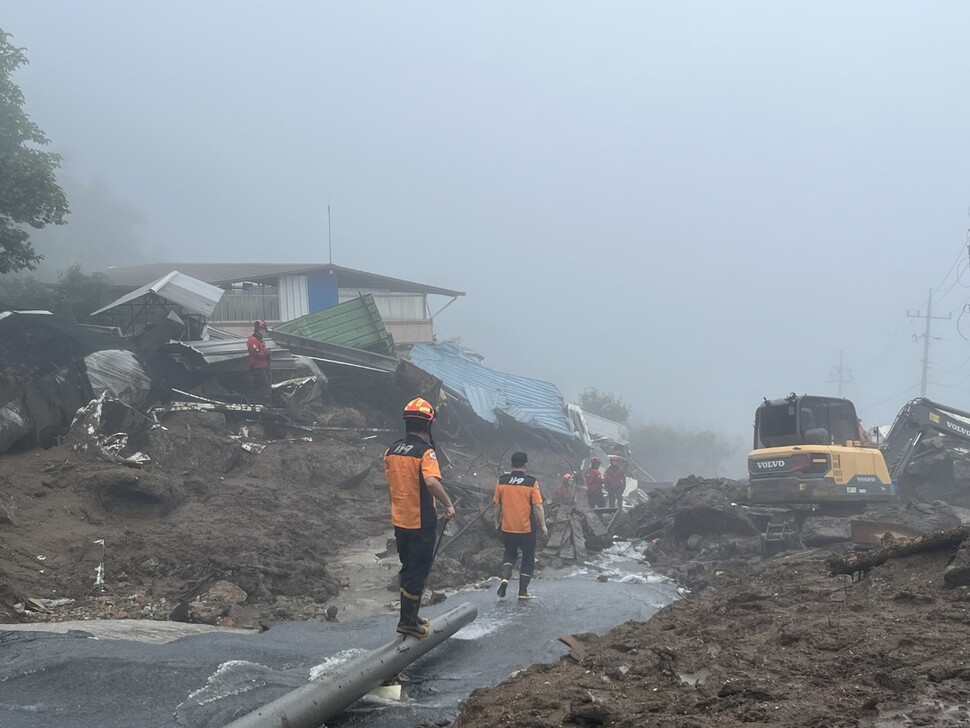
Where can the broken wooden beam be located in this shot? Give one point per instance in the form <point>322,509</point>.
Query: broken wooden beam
<point>931,542</point>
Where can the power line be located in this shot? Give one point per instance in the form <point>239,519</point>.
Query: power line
<point>893,343</point>
<point>838,374</point>
<point>952,285</point>
<point>947,386</point>
<point>892,396</point>
<point>965,248</point>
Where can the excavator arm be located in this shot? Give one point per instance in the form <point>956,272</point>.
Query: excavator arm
<point>920,418</point>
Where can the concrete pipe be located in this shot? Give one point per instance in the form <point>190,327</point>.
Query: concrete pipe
<point>315,702</point>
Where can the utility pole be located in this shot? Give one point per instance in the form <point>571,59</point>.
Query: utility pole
<point>926,338</point>
<point>839,374</point>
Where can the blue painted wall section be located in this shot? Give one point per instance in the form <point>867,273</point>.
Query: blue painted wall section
<point>322,290</point>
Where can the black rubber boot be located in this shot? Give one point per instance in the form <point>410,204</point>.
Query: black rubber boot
<point>524,580</point>
<point>423,621</point>
<point>409,624</point>
<point>503,585</point>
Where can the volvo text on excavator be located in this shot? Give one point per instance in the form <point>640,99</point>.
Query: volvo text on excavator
<point>809,449</point>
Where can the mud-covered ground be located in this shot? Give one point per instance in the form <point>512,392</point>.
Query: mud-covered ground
<point>269,527</point>
<point>786,646</point>
<point>211,531</point>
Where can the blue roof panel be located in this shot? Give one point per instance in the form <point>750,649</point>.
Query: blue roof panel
<point>532,402</point>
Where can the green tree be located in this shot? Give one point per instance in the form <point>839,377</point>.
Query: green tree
<point>78,295</point>
<point>25,293</point>
<point>669,453</point>
<point>102,231</point>
<point>74,297</point>
<point>604,404</point>
<point>29,194</point>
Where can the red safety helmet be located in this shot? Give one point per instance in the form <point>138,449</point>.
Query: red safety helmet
<point>419,409</point>
<point>594,459</point>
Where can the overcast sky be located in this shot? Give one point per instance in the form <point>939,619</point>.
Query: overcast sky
<point>691,204</point>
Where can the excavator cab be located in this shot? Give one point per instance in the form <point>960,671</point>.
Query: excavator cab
<point>805,420</point>
<point>807,449</point>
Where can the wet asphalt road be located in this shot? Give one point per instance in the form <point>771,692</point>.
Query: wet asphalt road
<point>74,681</point>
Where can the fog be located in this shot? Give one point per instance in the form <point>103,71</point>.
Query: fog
<point>692,205</point>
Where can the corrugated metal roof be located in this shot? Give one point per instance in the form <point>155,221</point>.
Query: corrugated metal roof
<point>335,353</point>
<point>224,352</point>
<point>532,402</point>
<point>138,275</point>
<point>356,323</point>
<point>602,427</point>
<point>193,295</point>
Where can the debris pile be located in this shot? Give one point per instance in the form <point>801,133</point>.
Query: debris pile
<point>939,470</point>
<point>574,532</point>
<point>696,531</point>
<point>703,532</point>
<point>789,646</point>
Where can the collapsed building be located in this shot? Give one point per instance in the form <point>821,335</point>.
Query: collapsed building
<point>363,335</point>
<point>176,349</point>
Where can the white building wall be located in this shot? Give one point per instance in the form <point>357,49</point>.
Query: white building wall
<point>392,306</point>
<point>294,297</point>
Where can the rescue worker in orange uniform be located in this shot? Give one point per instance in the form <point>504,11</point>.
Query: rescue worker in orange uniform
<point>565,491</point>
<point>594,484</point>
<point>414,484</point>
<point>615,481</point>
<point>259,358</point>
<point>518,511</point>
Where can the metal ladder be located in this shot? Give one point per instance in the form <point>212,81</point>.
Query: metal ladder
<point>776,531</point>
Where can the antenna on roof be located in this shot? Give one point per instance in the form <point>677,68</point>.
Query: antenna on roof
<point>329,234</point>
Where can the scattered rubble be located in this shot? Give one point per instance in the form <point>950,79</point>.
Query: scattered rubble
<point>787,646</point>
<point>165,494</point>
<point>940,470</point>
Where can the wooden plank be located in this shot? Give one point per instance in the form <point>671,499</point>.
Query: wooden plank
<point>576,649</point>
<point>568,550</point>
<point>580,544</point>
<point>558,536</point>
<point>595,524</point>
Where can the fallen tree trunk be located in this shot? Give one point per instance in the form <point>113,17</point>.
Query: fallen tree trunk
<point>931,542</point>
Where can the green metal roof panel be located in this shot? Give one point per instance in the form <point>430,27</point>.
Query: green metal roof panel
<point>356,323</point>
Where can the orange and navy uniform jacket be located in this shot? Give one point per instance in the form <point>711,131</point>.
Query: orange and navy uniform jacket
<point>594,480</point>
<point>615,478</point>
<point>258,353</point>
<point>516,493</point>
<point>407,463</point>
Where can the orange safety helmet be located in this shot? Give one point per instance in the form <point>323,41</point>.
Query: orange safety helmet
<point>419,409</point>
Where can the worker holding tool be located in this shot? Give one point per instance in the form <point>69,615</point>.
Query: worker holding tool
<point>614,479</point>
<point>518,510</point>
<point>594,484</point>
<point>259,358</point>
<point>414,484</point>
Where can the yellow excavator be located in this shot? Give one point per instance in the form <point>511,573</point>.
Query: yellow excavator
<point>810,449</point>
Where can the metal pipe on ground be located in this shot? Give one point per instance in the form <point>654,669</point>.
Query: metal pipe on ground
<point>315,702</point>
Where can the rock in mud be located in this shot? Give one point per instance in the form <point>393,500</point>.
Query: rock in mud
<point>957,572</point>
<point>6,515</point>
<point>214,604</point>
<point>826,530</point>
<point>132,493</point>
<point>192,450</point>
